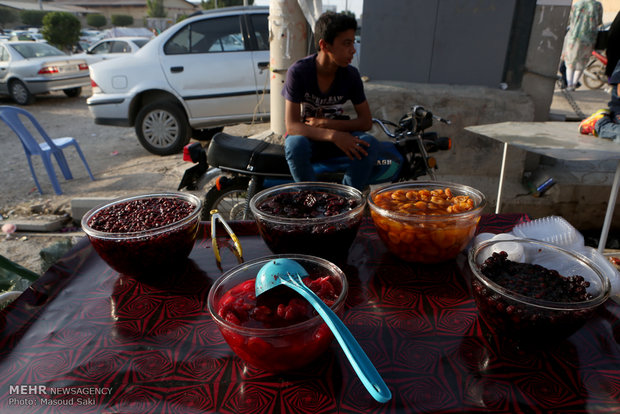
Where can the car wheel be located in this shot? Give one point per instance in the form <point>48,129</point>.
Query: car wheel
<point>205,134</point>
<point>229,200</point>
<point>73,92</point>
<point>162,128</point>
<point>20,93</point>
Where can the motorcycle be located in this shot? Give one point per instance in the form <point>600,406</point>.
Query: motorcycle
<point>242,166</point>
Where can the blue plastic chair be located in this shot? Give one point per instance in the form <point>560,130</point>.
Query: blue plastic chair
<point>11,116</point>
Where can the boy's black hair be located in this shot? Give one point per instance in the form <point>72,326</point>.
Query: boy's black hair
<point>331,24</point>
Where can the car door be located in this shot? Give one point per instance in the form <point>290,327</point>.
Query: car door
<point>207,62</point>
<point>100,52</point>
<point>258,26</point>
<point>4,69</point>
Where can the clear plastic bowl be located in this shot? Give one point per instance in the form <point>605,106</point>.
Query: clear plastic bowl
<point>283,348</point>
<point>526,318</point>
<point>150,252</point>
<point>426,238</point>
<point>323,236</point>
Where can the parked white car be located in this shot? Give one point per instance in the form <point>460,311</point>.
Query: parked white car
<point>28,68</point>
<point>112,48</point>
<point>207,71</point>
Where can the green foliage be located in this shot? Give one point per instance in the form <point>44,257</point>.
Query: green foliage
<point>121,20</point>
<point>217,4</point>
<point>96,20</point>
<point>181,17</point>
<point>7,16</point>
<point>32,17</point>
<point>155,8</point>
<point>61,29</point>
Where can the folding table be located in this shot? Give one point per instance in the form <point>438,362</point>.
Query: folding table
<point>560,140</point>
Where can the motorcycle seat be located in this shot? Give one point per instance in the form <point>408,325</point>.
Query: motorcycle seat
<point>246,154</point>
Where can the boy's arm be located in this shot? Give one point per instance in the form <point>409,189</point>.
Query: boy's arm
<point>352,146</point>
<point>363,122</point>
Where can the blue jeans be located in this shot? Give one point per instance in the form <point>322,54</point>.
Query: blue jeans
<point>609,128</point>
<point>301,152</point>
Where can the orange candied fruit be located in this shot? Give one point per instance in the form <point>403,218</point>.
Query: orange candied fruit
<point>425,242</point>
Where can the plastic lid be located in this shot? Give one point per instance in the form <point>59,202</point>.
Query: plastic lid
<point>552,229</point>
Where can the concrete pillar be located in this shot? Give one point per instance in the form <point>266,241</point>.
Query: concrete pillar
<point>287,43</point>
<point>543,55</point>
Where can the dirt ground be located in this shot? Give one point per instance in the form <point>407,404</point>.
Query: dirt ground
<point>121,166</point>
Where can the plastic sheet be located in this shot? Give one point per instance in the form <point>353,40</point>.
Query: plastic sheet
<point>152,347</point>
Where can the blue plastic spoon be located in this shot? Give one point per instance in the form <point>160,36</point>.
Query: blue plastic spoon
<point>289,273</point>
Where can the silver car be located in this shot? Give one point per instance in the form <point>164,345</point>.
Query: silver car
<point>28,68</point>
<point>205,72</point>
<point>111,48</point>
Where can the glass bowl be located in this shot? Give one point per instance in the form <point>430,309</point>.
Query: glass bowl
<point>271,343</point>
<point>290,218</point>
<point>145,234</point>
<point>546,302</point>
<point>424,236</point>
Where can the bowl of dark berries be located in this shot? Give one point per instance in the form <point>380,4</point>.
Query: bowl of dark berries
<point>542,294</point>
<point>426,221</point>
<point>279,330</point>
<point>319,219</point>
<point>145,235</point>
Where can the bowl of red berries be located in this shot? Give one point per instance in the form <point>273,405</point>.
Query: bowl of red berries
<point>539,292</point>
<point>319,219</point>
<point>145,235</point>
<point>279,330</point>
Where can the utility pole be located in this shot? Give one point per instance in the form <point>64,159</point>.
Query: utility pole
<point>288,39</point>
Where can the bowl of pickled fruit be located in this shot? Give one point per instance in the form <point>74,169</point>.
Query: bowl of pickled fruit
<point>145,235</point>
<point>278,330</point>
<point>426,221</point>
<point>539,292</point>
<point>319,219</point>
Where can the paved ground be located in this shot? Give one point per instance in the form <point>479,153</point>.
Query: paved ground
<point>587,100</point>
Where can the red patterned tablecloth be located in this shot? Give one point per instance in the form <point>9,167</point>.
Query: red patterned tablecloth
<point>85,339</point>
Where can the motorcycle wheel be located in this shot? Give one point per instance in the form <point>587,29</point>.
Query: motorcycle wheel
<point>594,75</point>
<point>230,200</point>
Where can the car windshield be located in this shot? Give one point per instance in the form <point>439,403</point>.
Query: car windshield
<point>32,50</point>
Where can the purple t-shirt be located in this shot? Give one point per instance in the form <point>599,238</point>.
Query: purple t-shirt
<point>302,87</point>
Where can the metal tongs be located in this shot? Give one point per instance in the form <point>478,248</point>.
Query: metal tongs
<point>215,215</point>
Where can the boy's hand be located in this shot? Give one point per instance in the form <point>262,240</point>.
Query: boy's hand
<point>350,144</point>
<point>316,122</point>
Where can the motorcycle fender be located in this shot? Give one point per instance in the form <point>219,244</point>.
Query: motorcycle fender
<point>211,174</point>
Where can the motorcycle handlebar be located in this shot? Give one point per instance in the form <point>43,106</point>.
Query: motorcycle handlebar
<point>420,112</point>
<point>382,123</point>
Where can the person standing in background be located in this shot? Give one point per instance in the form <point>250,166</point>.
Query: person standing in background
<point>585,18</point>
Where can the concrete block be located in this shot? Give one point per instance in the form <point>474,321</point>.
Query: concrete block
<point>44,223</point>
<point>81,205</point>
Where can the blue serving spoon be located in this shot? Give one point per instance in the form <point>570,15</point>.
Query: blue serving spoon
<point>289,273</point>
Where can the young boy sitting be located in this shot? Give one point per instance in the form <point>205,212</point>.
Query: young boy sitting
<point>316,88</point>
